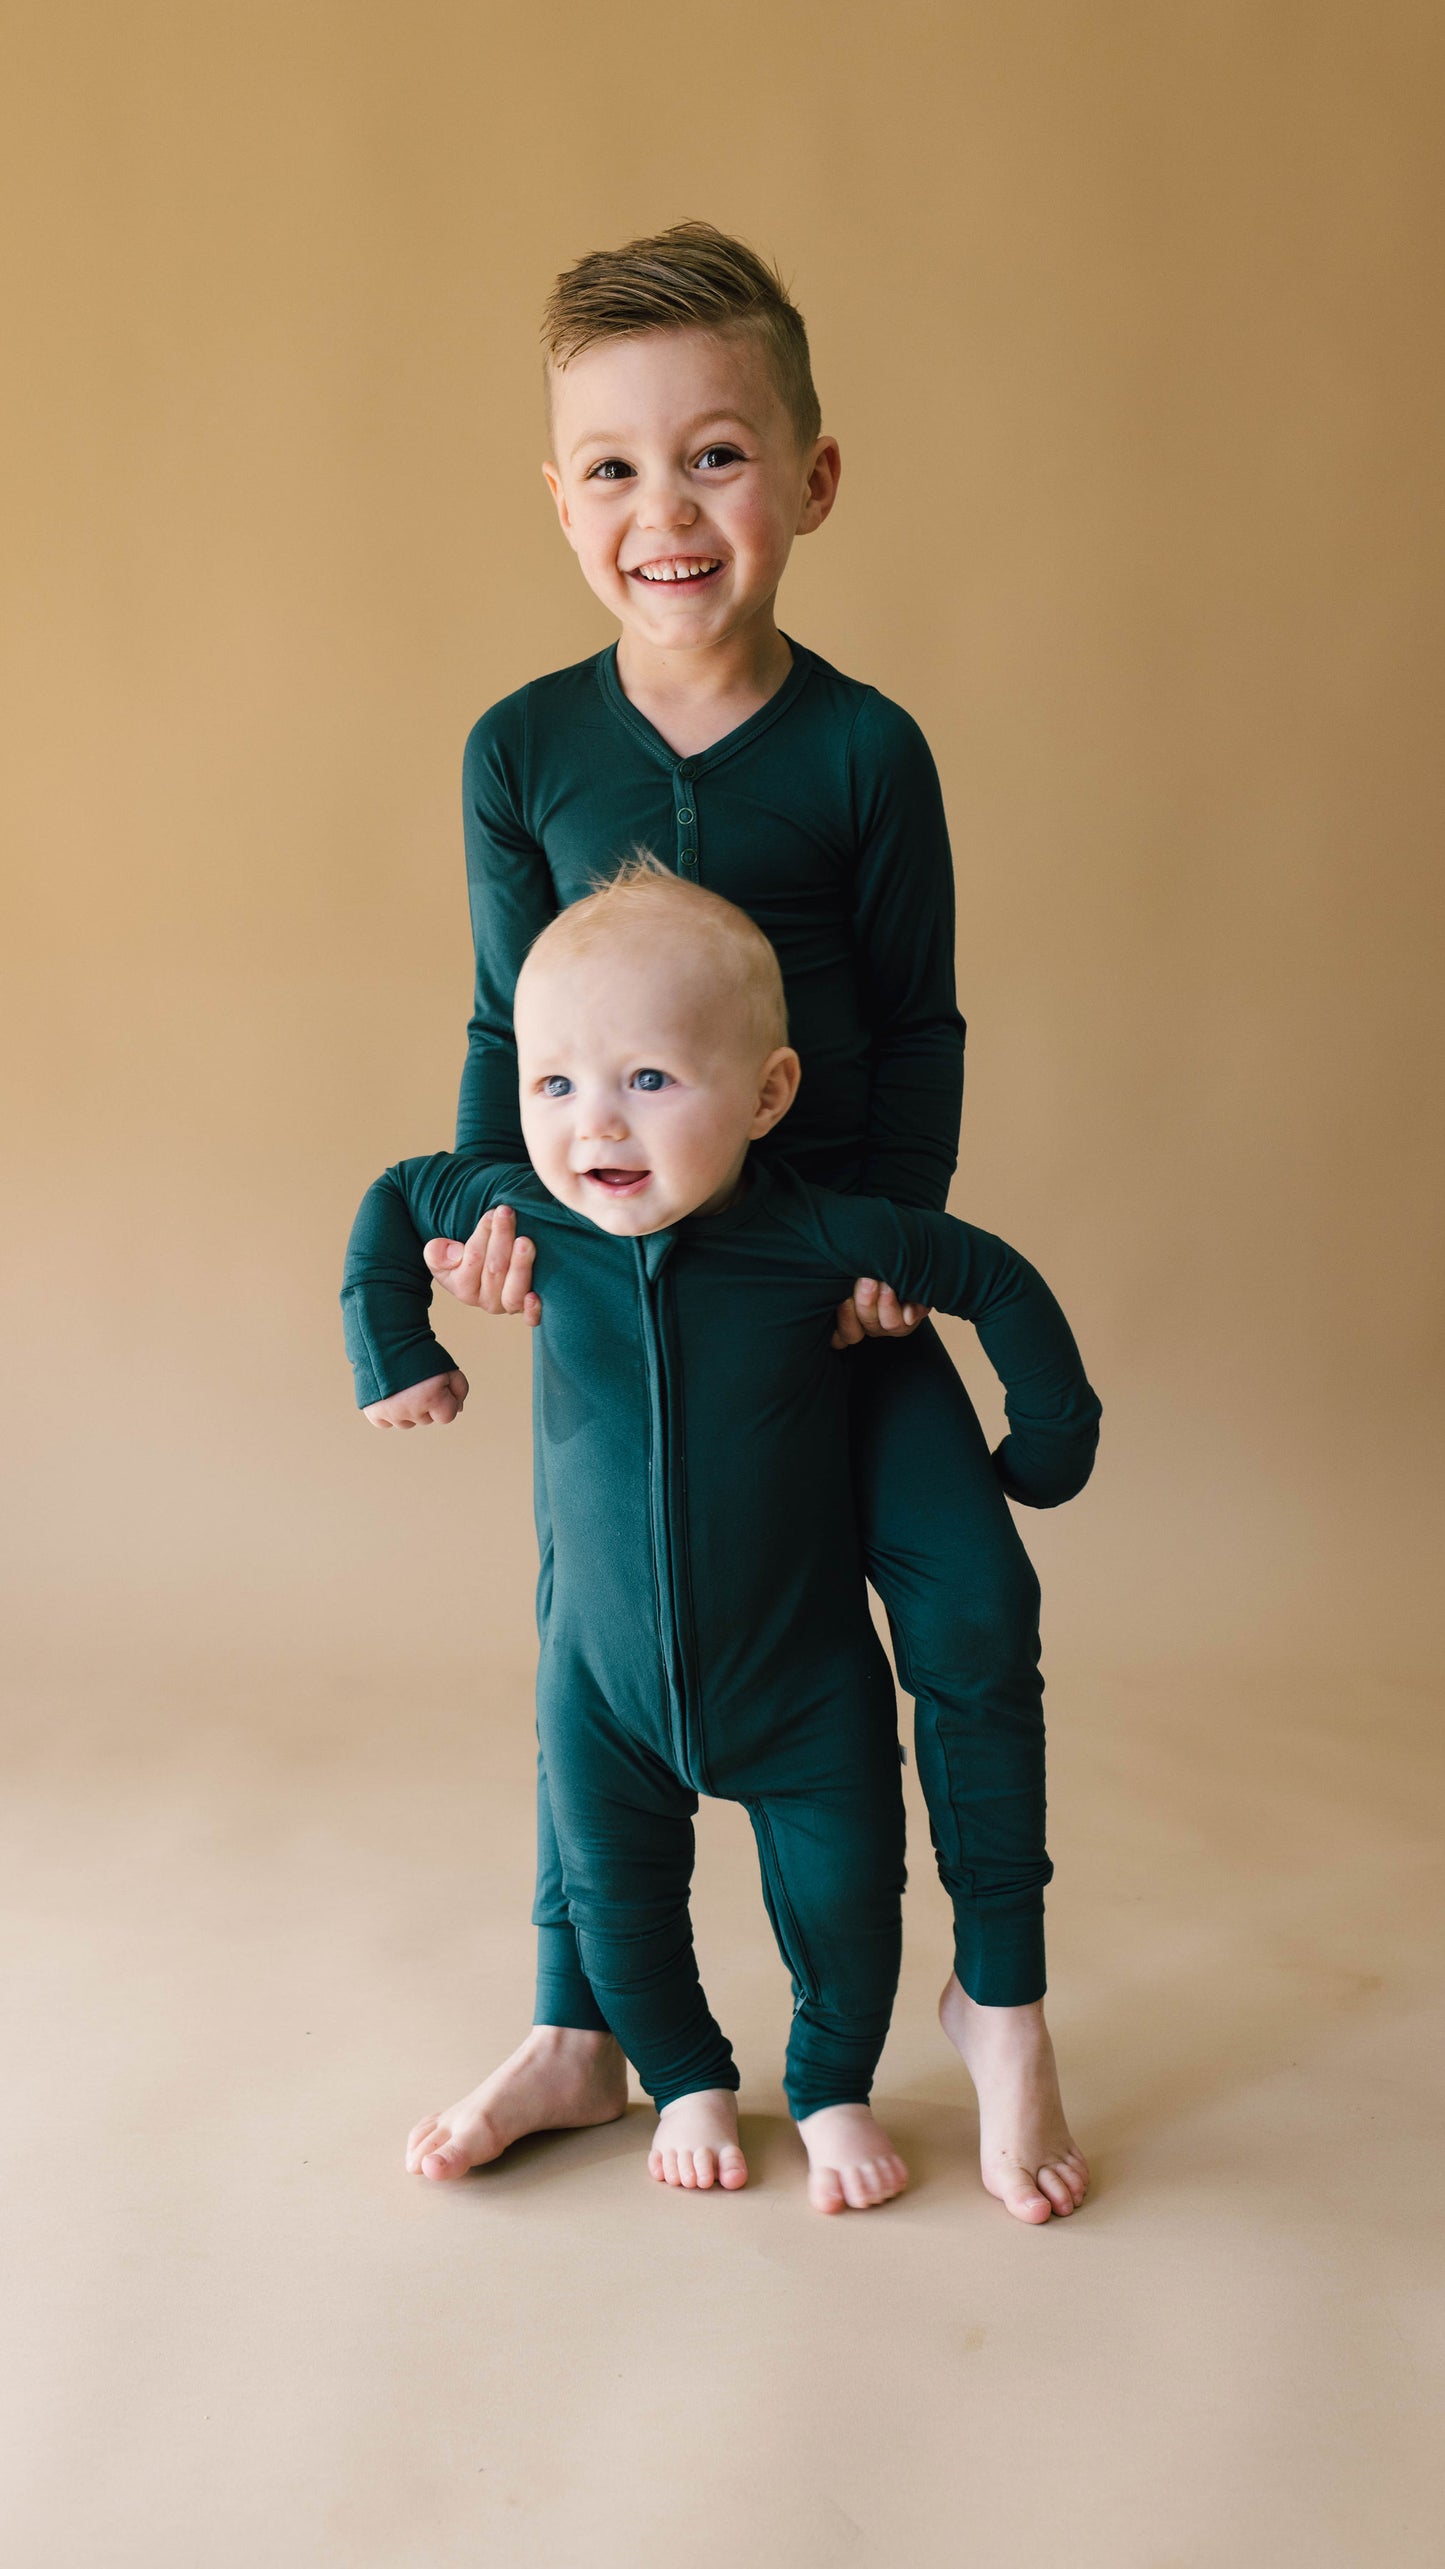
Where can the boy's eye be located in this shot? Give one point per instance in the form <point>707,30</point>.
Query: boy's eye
<point>650,1080</point>
<point>556,1085</point>
<point>611,469</point>
<point>718,455</point>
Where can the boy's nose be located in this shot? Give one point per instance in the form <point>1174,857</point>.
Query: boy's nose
<point>663,505</point>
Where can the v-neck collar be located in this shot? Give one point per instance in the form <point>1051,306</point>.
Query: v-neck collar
<point>656,1247</point>
<point>695,765</point>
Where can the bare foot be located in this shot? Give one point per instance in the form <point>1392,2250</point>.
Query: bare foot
<point>560,2078</point>
<point>696,2142</point>
<point>852,2164</point>
<point>1029,2157</point>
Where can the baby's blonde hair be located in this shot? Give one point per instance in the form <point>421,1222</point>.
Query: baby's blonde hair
<point>644,898</point>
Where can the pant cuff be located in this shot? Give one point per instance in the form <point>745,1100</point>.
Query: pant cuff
<point>564,1992</point>
<point>725,2075</point>
<point>801,2104</point>
<point>999,1956</point>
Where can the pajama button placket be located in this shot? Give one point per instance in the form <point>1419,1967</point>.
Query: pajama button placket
<point>685,816</point>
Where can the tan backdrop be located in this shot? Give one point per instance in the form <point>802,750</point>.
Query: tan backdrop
<point>1127,317</point>
<point>1128,323</point>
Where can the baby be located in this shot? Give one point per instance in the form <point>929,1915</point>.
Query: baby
<point>708,1629</point>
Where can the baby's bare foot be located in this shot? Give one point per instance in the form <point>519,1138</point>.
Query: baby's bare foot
<point>559,2079</point>
<point>696,2142</point>
<point>1029,2157</point>
<point>852,2164</point>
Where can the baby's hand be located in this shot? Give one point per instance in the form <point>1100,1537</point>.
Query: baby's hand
<point>434,1403</point>
<point>874,1311</point>
<point>492,1271</point>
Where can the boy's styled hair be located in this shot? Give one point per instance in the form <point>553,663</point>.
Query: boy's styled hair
<point>691,277</point>
<point>644,900</point>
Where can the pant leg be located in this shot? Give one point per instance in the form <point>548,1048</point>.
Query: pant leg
<point>962,1602</point>
<point>624,1836</point>
<point>564,1993</point>
<point>832,1868</point>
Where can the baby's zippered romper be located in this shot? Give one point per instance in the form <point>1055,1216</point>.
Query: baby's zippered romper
<point>707,1628</point>
<point>820,816</point>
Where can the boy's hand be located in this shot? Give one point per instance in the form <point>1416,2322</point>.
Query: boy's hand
<point>434,1403</point>
<point>492,1271</point>
<point>873,1310</point>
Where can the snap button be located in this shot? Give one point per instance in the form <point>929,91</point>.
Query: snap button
<point>685,814</point>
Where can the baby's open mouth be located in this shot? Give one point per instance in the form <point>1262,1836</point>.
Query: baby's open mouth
<point>678,571</point>
<point>618,1181</point>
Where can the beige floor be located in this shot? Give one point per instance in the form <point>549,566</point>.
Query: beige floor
<point>266,1917</point>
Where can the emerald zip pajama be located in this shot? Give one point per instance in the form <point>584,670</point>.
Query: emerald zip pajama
<point>707,1628</point>
<point>821,816</point>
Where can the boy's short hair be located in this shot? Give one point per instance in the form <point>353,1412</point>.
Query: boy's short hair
<point>642,900</point>
<point>691,277</point>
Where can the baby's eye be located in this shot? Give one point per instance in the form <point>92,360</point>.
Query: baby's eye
<point>715,456</point>
<point>651,1080</point>
<point>611,469</point>
<point>555,1085</point>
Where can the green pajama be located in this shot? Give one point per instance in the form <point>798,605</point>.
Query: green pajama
<point>821,816</point>
<point>707,1627</point>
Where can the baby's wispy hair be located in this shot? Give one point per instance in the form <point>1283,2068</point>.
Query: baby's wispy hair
<point>643,900</point>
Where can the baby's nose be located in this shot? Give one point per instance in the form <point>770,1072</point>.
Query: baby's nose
<point>603,1124</point>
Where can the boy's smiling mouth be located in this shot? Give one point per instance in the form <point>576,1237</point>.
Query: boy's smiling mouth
<point>618,1181</point>
<point>677,570</point>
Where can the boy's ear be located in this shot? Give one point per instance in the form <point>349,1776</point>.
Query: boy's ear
<point>553,480</point>
<point>820,489</point>
<point>777,1089</point>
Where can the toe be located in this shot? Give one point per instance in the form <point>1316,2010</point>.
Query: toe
<point>705,2166</point>
<point>450,2160</point>
<point>1071,2172</point>
<point>686,2171</point>
<point>1018,2190</point>
<point>825,2190</point>
<point>1055,2185</point>
<point>856,2185</point>
<point>732,2167</point>
<point>417,2140</point>
<point>670,2174</point>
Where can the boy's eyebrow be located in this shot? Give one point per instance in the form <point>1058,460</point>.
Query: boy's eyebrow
<point>689,428</point>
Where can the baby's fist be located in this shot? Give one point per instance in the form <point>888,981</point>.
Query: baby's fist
<point>434,1403</point>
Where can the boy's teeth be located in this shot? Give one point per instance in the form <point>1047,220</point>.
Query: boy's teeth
<point>680,571</point>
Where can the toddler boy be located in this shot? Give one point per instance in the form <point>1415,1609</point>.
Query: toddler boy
<point>688,454</point>
<point>707,1627</point>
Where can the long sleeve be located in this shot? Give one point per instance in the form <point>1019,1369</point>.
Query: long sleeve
<point>512,898</point>
<point>386,1286</point>
<point>903,929</point>
<point>1052,1409</point>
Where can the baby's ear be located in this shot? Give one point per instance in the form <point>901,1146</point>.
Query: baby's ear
<point>777,1089</point>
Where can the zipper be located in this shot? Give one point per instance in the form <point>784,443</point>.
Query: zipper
<point>671,1571</point>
